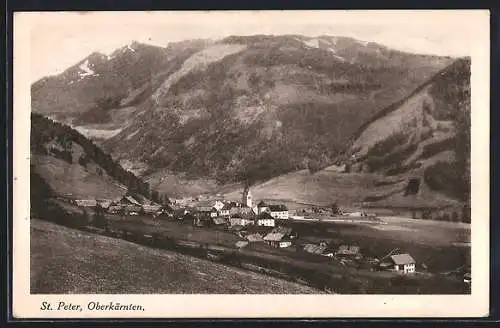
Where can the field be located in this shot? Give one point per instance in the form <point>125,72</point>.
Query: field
<point>69,261</point>
<point>75,181</point>
<point>321,188</point>
<point>432,244</point>
<point>349,190</point>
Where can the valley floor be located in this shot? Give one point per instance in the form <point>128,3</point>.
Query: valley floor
<point>61,256</point>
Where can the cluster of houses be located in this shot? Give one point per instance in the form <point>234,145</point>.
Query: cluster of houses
<point>233,214</point>
<point>253,223</point>
<point>127,205</point>
<point>347,254</point>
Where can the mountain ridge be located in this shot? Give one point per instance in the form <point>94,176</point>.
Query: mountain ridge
<point>246,107</point>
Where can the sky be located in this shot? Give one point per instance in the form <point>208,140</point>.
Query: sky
<point>61,39</point>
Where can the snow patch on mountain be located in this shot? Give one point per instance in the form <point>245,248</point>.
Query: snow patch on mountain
<point>130,47</point>
<point>313,43</point>
<point>363,43</point>
<point>85,70</point>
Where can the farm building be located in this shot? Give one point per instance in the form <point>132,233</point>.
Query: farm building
<point>314,249</point>
<point>348,251</point>
<point>403,263</point>
<point>278,212</point>
<point>278,239</point>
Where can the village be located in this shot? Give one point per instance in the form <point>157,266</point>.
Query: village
<point>263,226</point>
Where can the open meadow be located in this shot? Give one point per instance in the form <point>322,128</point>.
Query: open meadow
<point>69,261</point>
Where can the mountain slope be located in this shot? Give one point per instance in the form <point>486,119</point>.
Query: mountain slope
<point>242,107</point>
<point>424,137</point>
<point>65,163</point>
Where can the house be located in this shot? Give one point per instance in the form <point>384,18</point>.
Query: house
<point>241,220</point>
<point>262,207</point>
<point>224,211</point>
<point>115,209</point>
<point>219,204</point>
<point>214,213</point>
<point>265,219</point>
<point>403,263</point>
<point>279,212</point>
<point>351,251</point>
<point>278,239</point>
<point>285,242</point>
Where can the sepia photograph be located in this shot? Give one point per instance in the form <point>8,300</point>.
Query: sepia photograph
<point>254,154</point>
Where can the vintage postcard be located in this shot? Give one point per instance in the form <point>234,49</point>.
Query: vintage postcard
<point>251,164</point>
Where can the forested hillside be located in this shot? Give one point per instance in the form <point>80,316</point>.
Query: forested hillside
<point>61,151</point>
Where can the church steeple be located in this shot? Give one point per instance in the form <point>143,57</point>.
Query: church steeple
<point>247,196</point>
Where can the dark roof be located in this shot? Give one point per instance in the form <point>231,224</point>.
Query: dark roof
<point>261,204</point>
<point>402,259</point>
<point>278,208</point>
<point>264,215</point>
<point>243,216</point>
<point>226,206</point>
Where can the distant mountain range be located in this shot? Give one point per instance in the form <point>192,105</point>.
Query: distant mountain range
<point>255,107</point>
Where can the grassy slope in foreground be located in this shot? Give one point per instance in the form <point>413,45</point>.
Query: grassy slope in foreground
<point>70,261</point>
